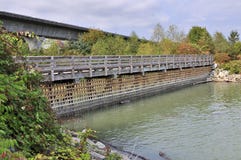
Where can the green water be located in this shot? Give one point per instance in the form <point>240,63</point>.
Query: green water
<point>201,122</point>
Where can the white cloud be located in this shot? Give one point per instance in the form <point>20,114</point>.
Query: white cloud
<point>124,16</point>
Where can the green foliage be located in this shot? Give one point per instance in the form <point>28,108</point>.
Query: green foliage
<point>235,50</point>
<point>233,66</point>
<point>200,36</point>
<point>195,34</point>
<point>12,156</point>
<point>26,115</point>
<point>87,133</point>
<point>109,46</point>
<point>233,37</point>
<point>81,47</point>
<point>132,44</point>
<point>6,143</point>
<point>92,36</point>
<point>220,42</point>
<point>168,47</point>
<point>6,62</point>
<point>113,156</point>
<point>148,48</point>
<point>27,122</point>
<point>52,50</point>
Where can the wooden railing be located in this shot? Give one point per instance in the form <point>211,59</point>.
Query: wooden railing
<point>55,68</point>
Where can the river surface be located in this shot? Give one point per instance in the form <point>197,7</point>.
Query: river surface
<point>194,123</point>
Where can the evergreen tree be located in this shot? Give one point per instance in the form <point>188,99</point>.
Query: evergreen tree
<point>233,37</point>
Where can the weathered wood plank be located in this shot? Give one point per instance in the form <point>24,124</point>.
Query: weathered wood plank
<point>95,66</point>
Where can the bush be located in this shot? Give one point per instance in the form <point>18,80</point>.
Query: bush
<point>188,48</point>
<point>27,123</point>
<point>221,58</point>
<point>233,66</point>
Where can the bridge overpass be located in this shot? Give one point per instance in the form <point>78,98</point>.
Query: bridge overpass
<point>43,28</point>
<point>77,84</point>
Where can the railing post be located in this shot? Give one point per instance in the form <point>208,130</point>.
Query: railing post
<point>159,62</point>
<point>180,59</point>
<point>131,64</point>
<point>105,65</point>
<point>142,65</point>
<point>73,67</point>
<point>166,64</point>
<point>185,60</point>
<point>211,59</point>
<point>194,61</point>
<point>52,68</point>
<point>151,63</point>
<point>90,66</point>
<point>173,61</point>
<point>119,64</point>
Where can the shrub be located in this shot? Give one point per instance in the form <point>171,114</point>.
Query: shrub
<point>187,48</point>
<point>221,58</point>
<point>27,123</point>
<point>233,66</point>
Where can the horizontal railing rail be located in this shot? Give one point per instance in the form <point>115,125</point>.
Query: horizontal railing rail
<point>55,68</point>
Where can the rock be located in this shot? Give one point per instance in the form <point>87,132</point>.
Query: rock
<point>97,156</point>
<point>97,144</point>
<point>100,145</point>
<point>75,140</point>
<point>220,75</point>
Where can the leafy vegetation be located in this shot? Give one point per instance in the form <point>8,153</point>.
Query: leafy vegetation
<point>200,37</point>
<point>233,66</point>
<point>27,123</point>
<point>28,128</point>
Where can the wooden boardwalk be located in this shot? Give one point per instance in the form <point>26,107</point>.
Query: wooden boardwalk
<point>55,68</point>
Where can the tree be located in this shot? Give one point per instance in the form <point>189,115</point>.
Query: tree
<point>158,33</point>
<point>200,36</point>
<point>175,35</point>
<point>220,42</point>
<point>53,49</point>
<point>80,47</point>
<point>109,46</point>
<point>147,49</point>
<point>92,36</point>
<point>167,46</point>
<point>233,37</point>
<point>235,50</point>
<point>133,44</point>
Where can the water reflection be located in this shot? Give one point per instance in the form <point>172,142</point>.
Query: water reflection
<point>197,122</point>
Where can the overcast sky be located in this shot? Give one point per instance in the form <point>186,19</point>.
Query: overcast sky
<point>141,16</point>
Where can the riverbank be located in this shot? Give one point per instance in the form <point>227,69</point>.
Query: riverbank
<point>100,150</point>
<point>220,75</point>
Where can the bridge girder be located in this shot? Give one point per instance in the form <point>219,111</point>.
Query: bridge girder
<point>44,28</point>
